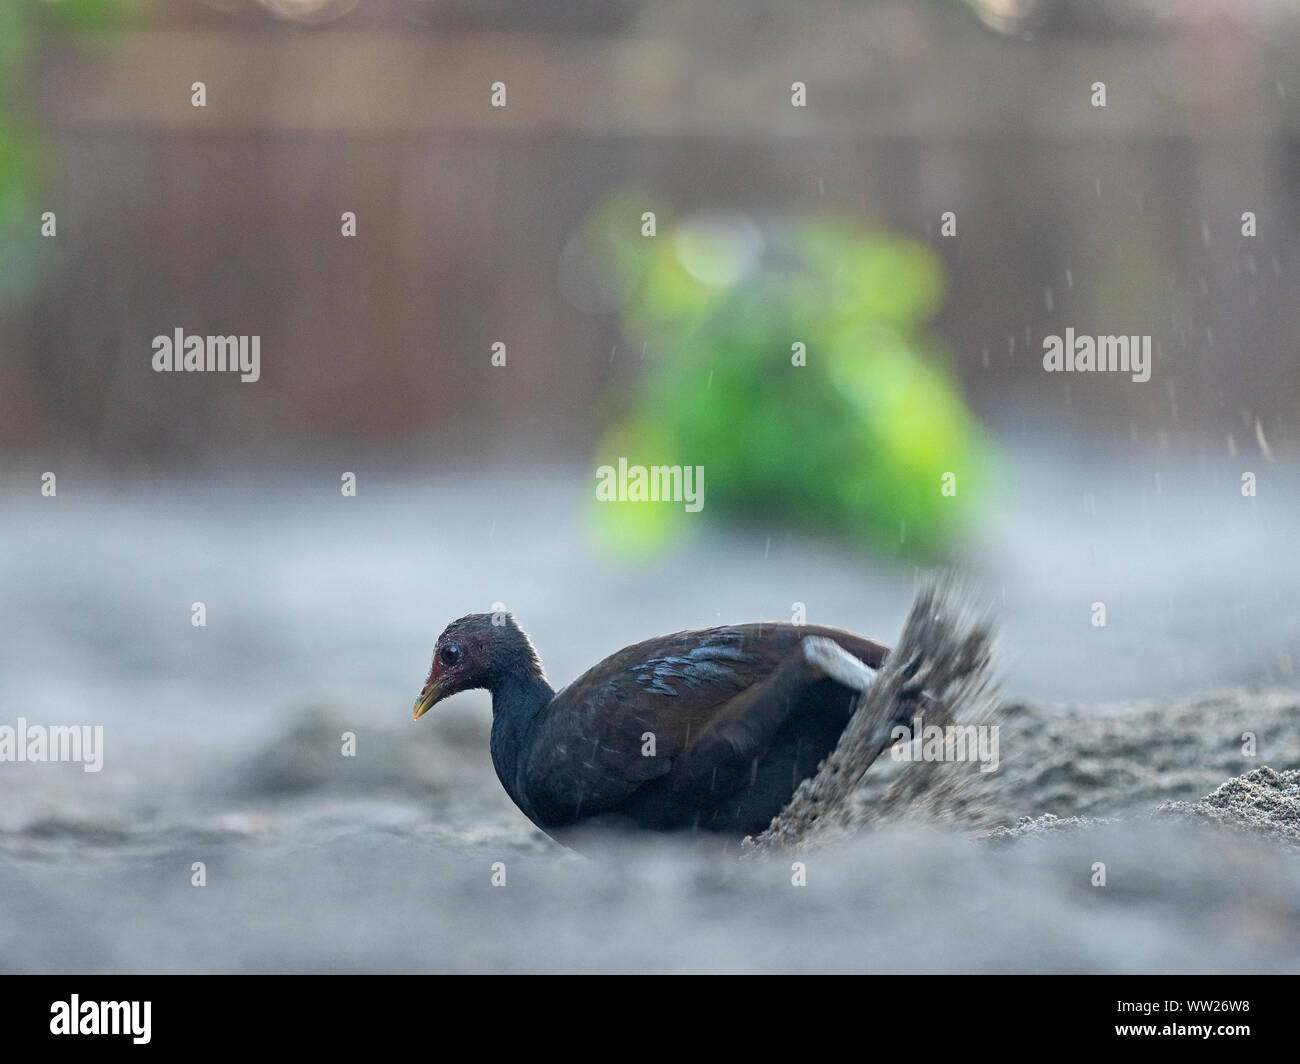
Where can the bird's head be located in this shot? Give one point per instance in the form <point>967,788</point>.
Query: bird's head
<point>480,650</point>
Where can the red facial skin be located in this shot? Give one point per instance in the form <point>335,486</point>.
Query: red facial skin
<point>445,680</point>
<point>451,677</point>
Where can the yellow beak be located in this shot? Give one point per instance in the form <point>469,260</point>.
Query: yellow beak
<point>426,700</point>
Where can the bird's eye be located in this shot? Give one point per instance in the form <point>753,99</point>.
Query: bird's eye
<point>450,655</point>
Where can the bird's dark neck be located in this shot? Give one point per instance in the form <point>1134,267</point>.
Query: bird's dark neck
<point>516,702</point>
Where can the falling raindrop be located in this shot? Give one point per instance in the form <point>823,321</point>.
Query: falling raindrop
<point>1263,443</point>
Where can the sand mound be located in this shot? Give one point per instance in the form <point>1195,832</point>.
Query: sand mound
<point>1263,803</point>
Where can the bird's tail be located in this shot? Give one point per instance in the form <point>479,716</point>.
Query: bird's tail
<point>939,674</point>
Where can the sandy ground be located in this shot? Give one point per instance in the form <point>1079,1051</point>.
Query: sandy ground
<point>223,745</point>
<point>388,866</point>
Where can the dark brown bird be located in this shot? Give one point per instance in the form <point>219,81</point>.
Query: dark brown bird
<point>710,729</point>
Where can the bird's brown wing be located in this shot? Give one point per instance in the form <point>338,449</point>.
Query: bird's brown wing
<point>624,721</point>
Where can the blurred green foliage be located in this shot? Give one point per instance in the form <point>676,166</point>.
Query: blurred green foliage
<point>856,443</point>
<point>25,25</point>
